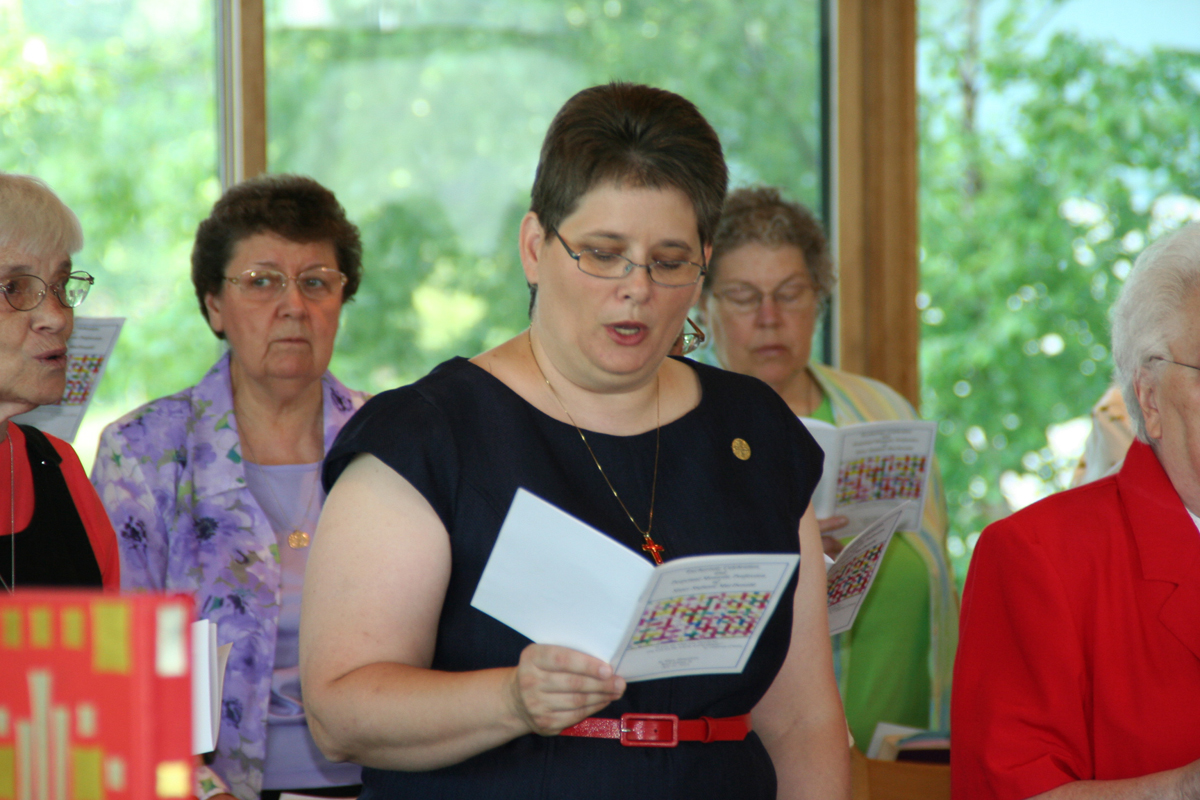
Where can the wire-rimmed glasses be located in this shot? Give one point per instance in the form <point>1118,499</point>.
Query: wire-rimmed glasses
<point>1176,363</point>
<point>614,266</point>
<point>265,285</point>
<point>26,292</point>
<point>745,299</point>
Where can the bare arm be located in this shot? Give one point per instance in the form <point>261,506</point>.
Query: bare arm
<point>373,593</point>
<point>1172,784</point>
<point>800,718</point>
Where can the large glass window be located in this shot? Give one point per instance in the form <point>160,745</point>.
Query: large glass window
<point>1057,141</point>
<point>426,118</point>
<point>112,102</point>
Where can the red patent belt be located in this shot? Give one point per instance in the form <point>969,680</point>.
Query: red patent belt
<point>661,730</point>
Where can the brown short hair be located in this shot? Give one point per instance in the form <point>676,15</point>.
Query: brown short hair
<point>759,215</point>
<point>627,133</point>
<point>292,206</point>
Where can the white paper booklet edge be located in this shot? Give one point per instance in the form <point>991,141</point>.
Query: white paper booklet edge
<point>208,684</point>
<point>504,596</point>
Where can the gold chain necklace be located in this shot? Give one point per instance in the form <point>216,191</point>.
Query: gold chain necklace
<point>297,539</point>
<point>650,546</point>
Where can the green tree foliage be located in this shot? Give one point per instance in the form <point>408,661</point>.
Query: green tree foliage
<point>424,299</point>
<point>1047,164</point>
<point>112,104</point>
<point>1029,224</point>
<point>425,118</point>
<point>427,124</point>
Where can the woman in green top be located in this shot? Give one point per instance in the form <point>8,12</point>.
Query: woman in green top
<point>769,279</point>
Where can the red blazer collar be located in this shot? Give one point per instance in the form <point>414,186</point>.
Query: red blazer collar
<point>1167,540</point>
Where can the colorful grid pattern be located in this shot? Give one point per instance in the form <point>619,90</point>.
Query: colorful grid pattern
<point>82,372</point>
<point>696,617</point>
<point>852,580</point>
<point>881,478</point>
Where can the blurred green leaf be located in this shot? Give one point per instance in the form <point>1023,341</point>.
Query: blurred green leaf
<point>1085,137</point>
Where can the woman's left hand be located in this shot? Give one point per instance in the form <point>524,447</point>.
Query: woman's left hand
<point>555,687</point>
<point>830,543</point>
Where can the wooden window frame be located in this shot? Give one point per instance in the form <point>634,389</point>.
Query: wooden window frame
<point>875,227</point>
<point>873,183</point>
<point>241,90</point>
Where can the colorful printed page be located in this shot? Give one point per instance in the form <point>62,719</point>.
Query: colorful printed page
<point>851,576</point>
<point>560,581</point>
<point>88,350</point>
<point>872,468</point>
<point>703,614</point>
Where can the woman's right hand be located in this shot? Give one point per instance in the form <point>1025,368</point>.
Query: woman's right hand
<point>373,593</point>
<point>555,687</point>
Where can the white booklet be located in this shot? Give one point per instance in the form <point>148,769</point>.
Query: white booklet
<point>88,350</point>
<point>849,578</point>
<point>888,730</point>
<point>208,681</point>
<point>559,581</point>
<point>872,468</point>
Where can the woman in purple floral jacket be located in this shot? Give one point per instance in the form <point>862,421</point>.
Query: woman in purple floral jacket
<point>216,490</point>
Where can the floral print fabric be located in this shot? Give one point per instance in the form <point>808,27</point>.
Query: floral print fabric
<point>170,475</point>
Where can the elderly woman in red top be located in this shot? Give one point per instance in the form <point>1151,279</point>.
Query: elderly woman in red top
<point>1078,670</point>
<point>53,529</point>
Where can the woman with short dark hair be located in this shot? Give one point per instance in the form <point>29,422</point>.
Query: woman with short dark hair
<point>216,491</point>
<point>667,457</point>
<point>293,207</point>
<point>54,531</point>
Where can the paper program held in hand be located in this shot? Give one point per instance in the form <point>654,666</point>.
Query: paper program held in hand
<point>850,577</point>
<point>560,581</point>
<point>872,468</point>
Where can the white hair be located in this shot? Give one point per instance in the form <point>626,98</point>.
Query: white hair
<point>33,220</point>
<point>1148,315</point>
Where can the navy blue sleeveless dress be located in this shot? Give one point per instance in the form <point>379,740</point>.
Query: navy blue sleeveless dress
<point>467,442</point>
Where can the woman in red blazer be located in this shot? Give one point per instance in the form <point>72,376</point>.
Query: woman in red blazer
<point>1078,671</point>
